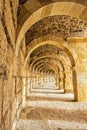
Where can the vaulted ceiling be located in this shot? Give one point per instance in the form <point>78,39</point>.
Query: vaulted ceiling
<point>50,57</point>
<point>47,55</point>
<point>61,25</point>
<point>30,6</point>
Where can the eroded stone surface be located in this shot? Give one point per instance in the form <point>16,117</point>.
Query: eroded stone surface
<point>52,109</point>
<point>62,26</point>
<point>31,6</point>
<point>53,115</point>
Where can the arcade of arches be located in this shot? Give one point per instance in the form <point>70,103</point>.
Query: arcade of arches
<point>43,64</point>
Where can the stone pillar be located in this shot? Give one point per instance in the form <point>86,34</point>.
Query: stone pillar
<point>24,84</point>
<point>79,52</point>
<point>74,81</point>
<point>61,80</point>
<point>82,72</point>
<point>29,86</point>
<point>67,80</point>
<point>1,101</point>
<point>64,77</point>
<point>30,83</point>
<point>49,77</point>
<point>57,81</point>
<point>82,77</point>
<point>27,82</point>
<point>52,77</point>
<point>39,81</point>
<point>42,77</point>
<point>36,80</point>
<point>45,77</point>
<point>24,91</point>
<point>32,79</point>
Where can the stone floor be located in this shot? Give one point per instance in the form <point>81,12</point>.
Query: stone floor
<point>52,110</point>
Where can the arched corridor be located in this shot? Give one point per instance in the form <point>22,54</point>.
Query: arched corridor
<point>43,64</point>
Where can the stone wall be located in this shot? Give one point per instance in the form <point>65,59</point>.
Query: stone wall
<point>13,73</point>
<point>79,52</point>
<point>8,25</point>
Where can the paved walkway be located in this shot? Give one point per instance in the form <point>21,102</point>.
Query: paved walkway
<point>52,110</point>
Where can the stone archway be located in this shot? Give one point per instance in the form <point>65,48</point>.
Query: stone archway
<point>51,40</point>
<point>60,43</point>
<point>58,8</point>
<point>53,57</point>
<point>65,8</point>
<point>60,66</point>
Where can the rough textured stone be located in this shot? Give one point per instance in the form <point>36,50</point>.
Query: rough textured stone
<point>57,52</point>
<point>61,26</point>
<point>7,40</point>
<point>52,114</point>
<point>30,7</point>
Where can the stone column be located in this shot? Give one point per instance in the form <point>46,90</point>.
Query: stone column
<point>58,85</point>
<point>68,83</point>
<point>64,77</point>
<point>39,80</point>
<point>24,86</point>
<point>52,77</point>
<point>61,80</point>
<point>24,91</point>
<point>57,81</point>
<point>74,81</point>
<point>49,77</point>
<point>81,70</point>
<point>28,86</point>
<point>80,55</point>
<point>1,101</point>
<point>36,80</point>
<point>27,82</point>
<point>42,77</point>
<point>32,79</point>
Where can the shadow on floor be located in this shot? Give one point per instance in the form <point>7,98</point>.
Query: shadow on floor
<point>43,98</point>
<point>53,88</point>
<point>40,113</point>
<point>54,92</point>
